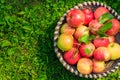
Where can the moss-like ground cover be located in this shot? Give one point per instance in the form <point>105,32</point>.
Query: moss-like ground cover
<point>26,39</point>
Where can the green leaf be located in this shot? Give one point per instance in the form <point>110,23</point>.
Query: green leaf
<point>91,37</point>
<point>88,51</point>
<point>27,27</point>
<point>101,34</point>
<point>106,27</point>
<point>84,38</point>
<point>9,7</point>
<point>21,13</point>
<point>5,43</point>
<point>11,51</point>
<point>105,17</point>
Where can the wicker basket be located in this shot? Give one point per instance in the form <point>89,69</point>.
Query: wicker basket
<point>111,66</point>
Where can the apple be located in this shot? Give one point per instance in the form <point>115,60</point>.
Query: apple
<point>102,54</point>
<point>114,49</point>
<point>67,29</point>
<point>111,39</point>
<point>72,56</point>
<point>75,18</point>
<point>101,42</point>
<point>98,66</point>
<point>80,31</point>
<point>94,26</point>
<point>86,50</point>
<point>76,44</point>
<point>65,42</point>
<point>85,65</point>
<point>99,12</point>
<point>115,27</point>
<point>89,15</point>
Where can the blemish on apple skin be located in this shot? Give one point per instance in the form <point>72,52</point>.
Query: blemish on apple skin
<point>112,45</point>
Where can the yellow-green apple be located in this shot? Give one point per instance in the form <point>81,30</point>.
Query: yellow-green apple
<point>114,49</point>
<point>98,66</point>
<point>80,31</point>
<point>86,50</point>
<point>85,65</point>
<point>72,56</point>
<point>65,42</point>
<point>102,54</point>
<point>75,18</point>
<point>67,29</point>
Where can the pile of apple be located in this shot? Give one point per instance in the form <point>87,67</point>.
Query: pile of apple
<point>87,39</point>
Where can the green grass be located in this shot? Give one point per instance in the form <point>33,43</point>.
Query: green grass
<point>26,39</point>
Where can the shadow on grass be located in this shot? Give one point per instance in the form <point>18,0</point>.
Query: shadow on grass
<point>53,68</point>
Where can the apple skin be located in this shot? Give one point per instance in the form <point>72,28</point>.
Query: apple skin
<point>85,65</point>
<point>89,15</point>
<point>99,12</point>
<point>80,31</point>
<point>111,39</point>
<point>76,44</point>
<point>72,56</point>
<point>75,18</point>
<point>101,42</point>
<point>67,29</point>
<point>114,49</point>
<point>115,27</point>
<point>65,42</point>
<point>102,54</point>
<point>94,26</point>
<point>98,66</point>
<point>83,48</point>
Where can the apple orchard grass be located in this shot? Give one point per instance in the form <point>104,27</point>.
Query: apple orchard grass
<point>26,39</point>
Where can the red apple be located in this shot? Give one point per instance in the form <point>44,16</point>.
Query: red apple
<point>86,50</point>
<point>67,29</point>
<point>102,53</point>
<point>85,65</point>
<point>72,56</point>
<point>94,26</point>
<point>88,15</point>
<point>101,42</point>
<point>76,44</point>
<point>115,27</point>
<point>80,31</point>
<point>98,66</point>
<point>99,12</point>
<point>75,18</point>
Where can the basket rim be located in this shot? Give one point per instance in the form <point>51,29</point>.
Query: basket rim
<point>59,55</point>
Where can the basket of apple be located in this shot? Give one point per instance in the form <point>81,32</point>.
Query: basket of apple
<point>86,40</point>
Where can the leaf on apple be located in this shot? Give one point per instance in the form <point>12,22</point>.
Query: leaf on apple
<point>105,17</point>
<point>84,38</point>
<point>104,28</point>
<point>91,37</point>
<point>101,34</point>
<point>75,53</point>
<point>87,51</point>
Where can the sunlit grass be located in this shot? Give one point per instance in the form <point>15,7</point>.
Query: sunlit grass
<point>26,39</point>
